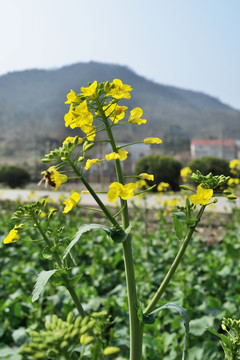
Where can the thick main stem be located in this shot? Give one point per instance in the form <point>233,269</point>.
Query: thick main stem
<point>151,306</point>
<point>136,328</point>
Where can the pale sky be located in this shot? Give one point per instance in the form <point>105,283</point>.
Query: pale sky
<point>192,44</point>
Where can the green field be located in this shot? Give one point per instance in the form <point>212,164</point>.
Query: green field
<point>206,283</point>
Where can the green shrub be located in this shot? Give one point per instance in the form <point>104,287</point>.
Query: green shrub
<point>207,164</point>
<point>14,176</point>
<point>164,169</point>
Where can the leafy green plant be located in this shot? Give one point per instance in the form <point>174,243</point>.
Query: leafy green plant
<point>61,246</point>
<point>210,164</point>
<point>231,342</point>
<point>14,176</point>
<point>164,168</point>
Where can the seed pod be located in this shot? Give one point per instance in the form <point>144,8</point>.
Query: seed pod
<point>37,339</point>
<point>48,325</point>
<point>70,317</point>
<point>64,344</point>
<point>84,329</point>
<point>232,197</point>
<point>91,324</point>
<point>69,328</point>
<point>85,320</point>
<point>74,333</point>
<point>85,339</point>
<point>59,323</point>
<point>39,356</point>
<point>27,350</point>
<point>111,350</point>
<point>99,314</point>
<point>77,321</point>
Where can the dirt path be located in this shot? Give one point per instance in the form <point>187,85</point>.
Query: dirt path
<point>152,201</point>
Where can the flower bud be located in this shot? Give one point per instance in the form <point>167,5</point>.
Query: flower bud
<point>111,350</point>
<point>70,317</point>
<point>87,146</point>
<point>232,197</point>
<point>184,187</point>
<point>46,161</point>
<point>106,86</point>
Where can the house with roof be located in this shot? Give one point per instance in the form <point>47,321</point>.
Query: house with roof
<point>222,148</point>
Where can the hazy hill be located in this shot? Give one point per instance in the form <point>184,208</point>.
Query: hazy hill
<point>32,105</point>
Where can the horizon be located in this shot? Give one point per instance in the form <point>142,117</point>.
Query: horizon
<point>129,68</point>
<point>188,45</point>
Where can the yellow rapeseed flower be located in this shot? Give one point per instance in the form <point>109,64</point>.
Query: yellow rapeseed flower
<point>202,196</point>
<point>12,237</point>
<point>135,116</point>
<point>71,139</point>
<point>123,154</point>
<point>145,176</point>
<point>185,173</point>
<point>152,140</point>
<point>162,186</point>
<point>71,202</point>
<point>233,182</point>
<point>72,98</point>
<point>42,214</point>
<point>80,117</point>
<point>56,178</point>
<point>124,191</point>
<point>120,90</point>
<point>115,112</point>
<point>90,91</point>
<point>91,133</point>
<point>140,184</point>
<point>234,166</point>
<point>112,156</point>
<point>90,162</point>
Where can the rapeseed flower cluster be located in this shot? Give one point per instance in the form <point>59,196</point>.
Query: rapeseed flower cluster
<point>98,101</point>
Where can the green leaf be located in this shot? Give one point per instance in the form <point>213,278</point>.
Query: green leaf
<point>42,279</point>
<point>76,279</point>
<point>117,236</point>
<point>19,336</point>
<point>47,253</point>
<point>178,226</point>
<point>198,326</point>
<point>120,236</point>
<point>181,216</point>
<point>184,314</point>
<point>223,337</point>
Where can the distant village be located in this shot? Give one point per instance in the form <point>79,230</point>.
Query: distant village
<point>221,148</point>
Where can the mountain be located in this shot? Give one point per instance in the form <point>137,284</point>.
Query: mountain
<point>32,106</point>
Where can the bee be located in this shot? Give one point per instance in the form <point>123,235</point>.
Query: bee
<point>47,179</point>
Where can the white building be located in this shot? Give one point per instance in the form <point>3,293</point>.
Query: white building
<point>222,148</point>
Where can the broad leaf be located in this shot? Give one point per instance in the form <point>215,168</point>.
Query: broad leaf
<point>178,226</point>
<point>182,312</point>
<point>121,235</point>
<point>223,337</point>
<point>47,253</point>
<point>117,236</point>
<point>42,279</point>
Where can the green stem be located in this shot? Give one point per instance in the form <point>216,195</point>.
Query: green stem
<point>151,306</point>
<point>94,195</point>
<point>136,328</point>
<point>68,285</point>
